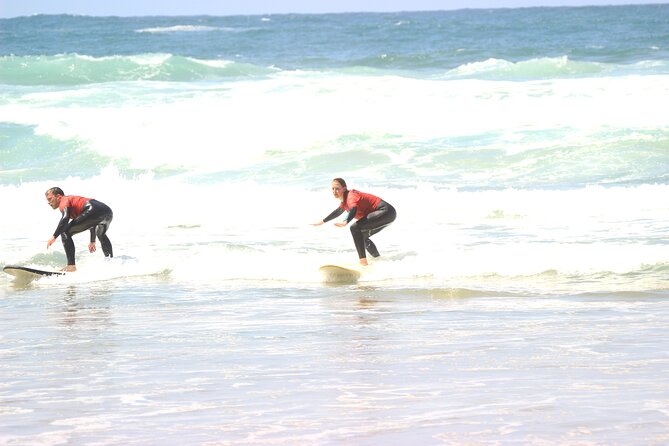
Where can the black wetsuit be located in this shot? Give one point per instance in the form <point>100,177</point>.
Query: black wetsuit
<point>362,229</point>
<point>95,216</point>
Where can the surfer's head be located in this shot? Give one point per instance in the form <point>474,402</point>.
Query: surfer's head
<point>338,188</point>
<point>53,196</point>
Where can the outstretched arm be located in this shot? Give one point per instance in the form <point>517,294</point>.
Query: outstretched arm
<point>349,217</point>
<point>334,214</point>
<point>62,224</point>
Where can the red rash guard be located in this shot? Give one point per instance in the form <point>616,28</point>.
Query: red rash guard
<point>76,205</point>
<point>363,202</point>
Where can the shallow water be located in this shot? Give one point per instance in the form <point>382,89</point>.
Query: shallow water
<point>149,361</point>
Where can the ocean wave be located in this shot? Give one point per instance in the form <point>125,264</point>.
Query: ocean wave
<point>433,67</point>
<point>81,69</point>
<point>76,69</point>
<point>486,135</point>
<point>551,67</point>
<point>544,67</point>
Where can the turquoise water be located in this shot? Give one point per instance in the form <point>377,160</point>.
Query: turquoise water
<point>521,293</point>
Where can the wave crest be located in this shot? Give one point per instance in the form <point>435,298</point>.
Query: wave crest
<point>545,67</point>
<point>75,69</point>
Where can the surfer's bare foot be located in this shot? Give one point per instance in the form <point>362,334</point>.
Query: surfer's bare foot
<point>69,269</point>
<point>363,262</point>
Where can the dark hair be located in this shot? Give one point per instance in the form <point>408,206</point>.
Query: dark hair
<point>340,181</point>
<point>55,191</point>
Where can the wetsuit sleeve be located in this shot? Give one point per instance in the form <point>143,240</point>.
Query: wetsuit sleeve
<point>93,234</point>
<point>62,224</point>
<point>351,214</point>
<point>334,214</point>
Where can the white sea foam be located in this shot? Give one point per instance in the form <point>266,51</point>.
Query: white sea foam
<point>234,125</point>
<point>257,232</point>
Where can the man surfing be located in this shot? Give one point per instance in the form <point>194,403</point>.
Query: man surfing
<point>79,214</point>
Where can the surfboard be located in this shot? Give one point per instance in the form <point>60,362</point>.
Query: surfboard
<point>28,274</point>
<point>339,274</point>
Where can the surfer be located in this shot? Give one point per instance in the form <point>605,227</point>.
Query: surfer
<point>371,212</point>
<point>79,214</point>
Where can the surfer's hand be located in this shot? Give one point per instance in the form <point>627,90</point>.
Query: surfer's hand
<point>50,242</point>
<point>341,224</point>
<point>317,224</point>
<point>91,247</point>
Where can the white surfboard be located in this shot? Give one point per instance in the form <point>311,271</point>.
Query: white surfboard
<point>339,274</point>
<point>25,274</point>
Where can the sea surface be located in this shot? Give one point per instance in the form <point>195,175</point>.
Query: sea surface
<point>522,295</point>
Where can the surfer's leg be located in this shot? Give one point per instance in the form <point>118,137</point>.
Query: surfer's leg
<point>83,221</point>
<point>382,216</point>
<point>101,233</point>
<point>359,238</point>
<point>106,216</point>
<point>371,248</point>
<point>95,215</point>
<point>68,244</point>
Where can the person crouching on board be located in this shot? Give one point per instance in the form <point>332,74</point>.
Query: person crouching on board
<point>371,212</point>
<point>79,214</point>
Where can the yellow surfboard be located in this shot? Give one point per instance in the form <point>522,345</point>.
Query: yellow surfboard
<point>339,274</point>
